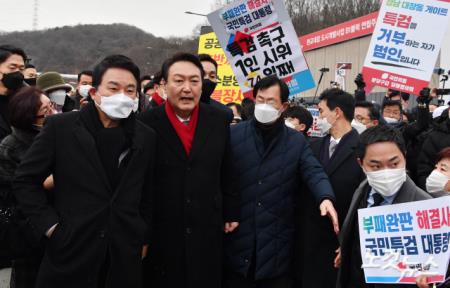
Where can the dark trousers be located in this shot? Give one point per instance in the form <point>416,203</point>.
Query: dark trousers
<point>235,280</point>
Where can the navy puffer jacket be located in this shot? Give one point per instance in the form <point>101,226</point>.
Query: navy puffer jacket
<point>267,181</point>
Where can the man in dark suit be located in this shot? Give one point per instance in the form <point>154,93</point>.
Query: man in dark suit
<point>381,153</point>
<point>12,64</point>
<point>336,152</point>
<point>193,201</point>
<point>102,162</point>
<point>210,67</point>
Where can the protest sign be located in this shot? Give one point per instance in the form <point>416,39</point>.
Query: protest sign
<point>259,40</point>
<point>405,44</point>
<point>401,241</point>
<point>314,131</point>
<point>227,89</point>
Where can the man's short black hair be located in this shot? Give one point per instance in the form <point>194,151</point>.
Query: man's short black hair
<point>300,113</point>
<point>85,72</point>
<point>393,93</point>
<point>181,57</point>
<point>208,58</point>
<point>336,97</point>
<point>29,66</point>
<point>115,61</point>
<point>270,81</point>
<point>405,96</point>
<point>378,134</point>
<point>7,50</point>
<point>392,103</point>
<point>374,113</point>
<point>148,86</point>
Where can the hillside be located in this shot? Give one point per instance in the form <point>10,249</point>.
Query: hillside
<point>71,49</point>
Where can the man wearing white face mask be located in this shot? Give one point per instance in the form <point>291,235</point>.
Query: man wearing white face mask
<point>381,154</point>
<point>99,223</point>
<point>84,85</point>
<point>337,154</point>
<point>366,116</point>
<point>270,163</point>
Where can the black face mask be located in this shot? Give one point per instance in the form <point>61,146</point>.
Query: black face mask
<point>30,81</point>
<point>207,90</point>
<point>13,81</point>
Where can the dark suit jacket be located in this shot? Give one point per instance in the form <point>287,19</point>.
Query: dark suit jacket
<point>192,202</point>
<point>94,220</point>
<point>224,108</point>
<point>318,235</point>
<point>409,192</point>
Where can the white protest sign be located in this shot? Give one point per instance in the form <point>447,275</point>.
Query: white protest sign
<point>405,44</point>
<point>259,40</point>
<point>399,242</point>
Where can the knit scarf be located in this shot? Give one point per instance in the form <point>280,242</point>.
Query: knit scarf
<point>158,99</point>
<point>186,133</point>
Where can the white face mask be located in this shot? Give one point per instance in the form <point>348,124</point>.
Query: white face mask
<point>266,113</point>
<point>358,126</point>
<point>84,90</point>
<point>390,120</point>
<point>58,97</point>
<point>323,125</point>
<point>387,182</point>
<point>289,124</point>
<point>118,106</point>
<point>436,182</point>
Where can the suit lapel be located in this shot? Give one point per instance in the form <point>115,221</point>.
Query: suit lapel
<point>343,153</point>
<point>167,132</point>
<point>205,119</point>
<point>405,194</point>
<point>87,143</point>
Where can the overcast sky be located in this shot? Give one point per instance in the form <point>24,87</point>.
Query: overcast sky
<point>159,17</point>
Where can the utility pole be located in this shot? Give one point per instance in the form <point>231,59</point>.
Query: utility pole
<point>36,14</point>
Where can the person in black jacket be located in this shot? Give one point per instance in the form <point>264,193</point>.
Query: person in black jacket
<point>12,63</point>
<point>210,67</point>
<point>193,201</point>
<point>102,160</point>
<point>337,153</point>
<point>270,161</point>
<point>437,139</point>
<point>19,244</point>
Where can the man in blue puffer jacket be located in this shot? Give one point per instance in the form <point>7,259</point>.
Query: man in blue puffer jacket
<point>270,161</point>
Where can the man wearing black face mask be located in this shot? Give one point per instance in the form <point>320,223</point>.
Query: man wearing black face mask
<point>209,84</point>
<point>30,75</point>
<point>12,63</point>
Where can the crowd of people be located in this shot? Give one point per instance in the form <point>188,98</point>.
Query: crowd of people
<point>131,180</point>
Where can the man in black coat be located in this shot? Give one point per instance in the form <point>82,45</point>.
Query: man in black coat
<point>336,152</point>
<point>102,162</point>
<point>381,149</point>
<point>192,199</point>
<point>210,67</point>
<point>12,63</point>
<point>437,140</point>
